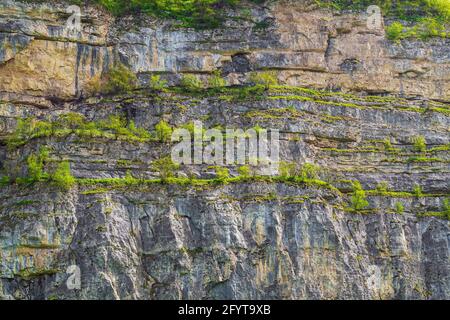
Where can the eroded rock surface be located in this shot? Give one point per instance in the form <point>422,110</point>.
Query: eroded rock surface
<point>246,240</point>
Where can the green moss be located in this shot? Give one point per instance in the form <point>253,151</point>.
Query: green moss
<point>41,246</point>
<point>165,167</point>
<point>163,131</point>
<point>32,273</point>
<point>264,78</point>
<point>120,79</point>
<point>157,84</point>
<point>419,144</point>
<point>399,208</point>
<point>114,127</point>
<point>62,177</point>
<point>426,18</point>
<point>191,83</point>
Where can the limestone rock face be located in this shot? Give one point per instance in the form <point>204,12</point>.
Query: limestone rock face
<point>252,239</point>
<point>312,48</point>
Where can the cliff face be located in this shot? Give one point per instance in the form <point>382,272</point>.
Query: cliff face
<point>246,239</point>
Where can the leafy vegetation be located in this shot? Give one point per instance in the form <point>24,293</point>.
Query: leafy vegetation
<point>62,176</point>
<point>216,82</point>
<point>417,191</point>
<point>244,171</point>
<point>191,83</point>
<point>399,208</point>
<point>425,18</point>
<point>191,13</point>
<point>222,173</point>
<point>266,78</point>
<point>120,79</point>
<point>165,167</point>
<point>157,84</point>
<point>419,144</point>
<point>114,127</point>
<point>163,131</point>
<point>35,163</point>
<point>358,199</point>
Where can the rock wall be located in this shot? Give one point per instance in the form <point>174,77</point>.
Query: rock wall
<point>254,239</point>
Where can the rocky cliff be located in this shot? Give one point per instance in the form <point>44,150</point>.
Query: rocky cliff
<point>359,107</point>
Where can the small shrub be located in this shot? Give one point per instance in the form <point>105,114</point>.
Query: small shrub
<point>4,181</point>
<point>244,171</point>
<point>309,171</point>
<point>258,129</point>
<point>120,79</point>
<point>417,191</point>
<point>399,208</point>
<point>442,7</point>
<point>129,179</point>
<point>157,84</point>
<point>165,167</point>
<point>387,144</point>
<point>395,31</point>
<point>141,133</point>
<point>265,79</point>
<point>254,92</point>
<point>163,131</point>
<point>222,173</point>
<point>287,169</point>
<point>446,206</point>
<point>95,85</point>
<point>35,165</point>
<point>71,120</point>
<point>62,176</point>
<point>358,200</point>
<point>216,81</point>
<point>191,82</point>
<point>382,187</point>
<point>419,144</point>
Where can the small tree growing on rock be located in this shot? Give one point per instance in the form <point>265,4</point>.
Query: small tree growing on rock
<point>358,200</point>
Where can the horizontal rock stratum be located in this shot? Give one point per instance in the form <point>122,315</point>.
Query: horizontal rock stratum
<point>358,106</point>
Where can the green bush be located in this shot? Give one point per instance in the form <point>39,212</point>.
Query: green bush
<point>419,144</point>
<point>266,79</point>
<point>244,171</point>
<point>287,169</point>
<point>165,167</point>
<point>446,205</point>
<point>222,173</point>
<point>417,191</point>
<point>358,200</point>
<point>191,82</point>
<point>254,92</point>
<point>382,187</point>
<point>163,131</point>
<point>120,79</point>
<point>157,84</point>
<point>309,171</point>
<point>215,81</point>
<point>427,18</point>
<point>399,208</point>
<point>4,181</point>
<point>395,31</point>
<point>129,179</point>
<point>62,176</point>
<point>35,163</point>
<point>192,13</point>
